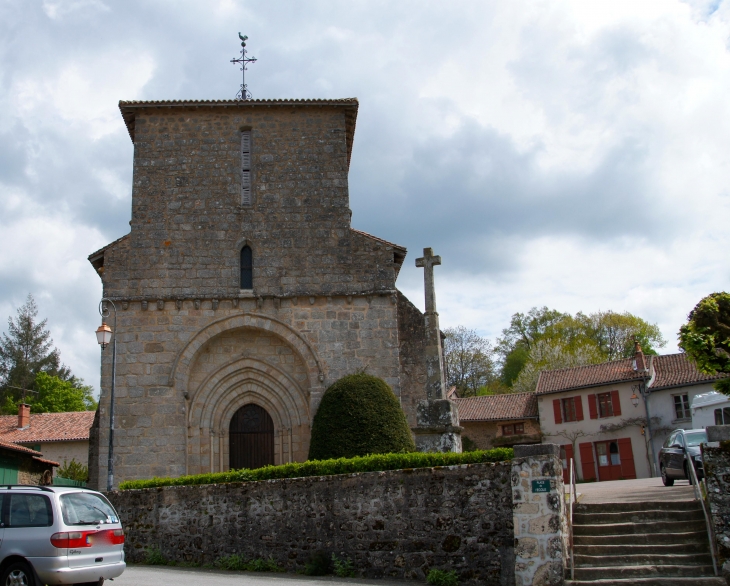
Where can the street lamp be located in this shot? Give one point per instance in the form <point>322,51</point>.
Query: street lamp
<point>104,335</point>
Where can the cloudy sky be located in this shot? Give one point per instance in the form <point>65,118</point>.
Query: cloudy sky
<point>572,154</point>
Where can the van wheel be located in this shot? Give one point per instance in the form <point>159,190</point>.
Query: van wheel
<point>665,479</point>
<point>17,574</point>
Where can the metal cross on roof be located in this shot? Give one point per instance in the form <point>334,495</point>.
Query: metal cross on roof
<point>243,93</point>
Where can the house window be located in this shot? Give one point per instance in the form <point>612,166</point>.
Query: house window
<point>246,268</point>
<point>681,407</point>
<point>246,169</point>
<point>513,429</point>
<point>605,405</point>
<point>722,416</point>
<point>569,410</point>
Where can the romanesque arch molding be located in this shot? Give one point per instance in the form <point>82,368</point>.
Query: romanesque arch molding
<point>246,380</point>
<point>182,365</point>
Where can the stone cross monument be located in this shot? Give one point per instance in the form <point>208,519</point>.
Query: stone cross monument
<point>437,418</point>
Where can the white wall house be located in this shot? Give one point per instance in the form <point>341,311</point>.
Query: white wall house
<point>710,408</point>
<point>601,418</point>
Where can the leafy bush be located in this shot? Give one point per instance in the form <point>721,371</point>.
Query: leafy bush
<point>468,444</point>
<point>442,578</point>
<point>73,470</point>
<point>374,463</point>
<point>343,568</point>
<point>319,565</point>
<point>153,556</point>
<point>359,415</point>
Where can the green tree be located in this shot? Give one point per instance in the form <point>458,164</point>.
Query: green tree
<point>615,333</point>
<point>706,337</point>
<point>469,360</point>
<point>359,415</point>
<point>54,395</point>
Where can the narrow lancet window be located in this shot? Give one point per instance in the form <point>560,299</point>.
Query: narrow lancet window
<point>246,268</point>
<point>246,168</point>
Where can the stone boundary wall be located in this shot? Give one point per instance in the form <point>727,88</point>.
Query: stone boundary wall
<point>716,462</point>
<point>397,524</point>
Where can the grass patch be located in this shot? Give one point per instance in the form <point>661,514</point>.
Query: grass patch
<point>153,556</point>
<point>237,563</point>
<point>442,578</point>
<point>343,568</point>
<point>372,463</point>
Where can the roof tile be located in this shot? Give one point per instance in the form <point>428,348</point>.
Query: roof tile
<point>674,370</point>
<point>47,427</point>
<point>591,375</point>
<point>497,407</point>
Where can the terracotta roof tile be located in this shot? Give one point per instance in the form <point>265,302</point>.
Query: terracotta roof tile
<point>592,375</point>
<point>16,448</point>
<point>673,370</point>
<point>47,427</point>
<point>497,407</point>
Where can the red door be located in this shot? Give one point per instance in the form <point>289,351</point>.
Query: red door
<point>609,461</point>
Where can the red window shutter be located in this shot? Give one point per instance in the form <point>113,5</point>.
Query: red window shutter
<point>628,470</point>
<point>587,463</point>
<point>578,401</point>
<point>592,409</point>
<point>616,403</point>
<point>556,410</point>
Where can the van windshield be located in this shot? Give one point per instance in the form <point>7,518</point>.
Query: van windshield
<point>695,438</point>
<point>86,508</point>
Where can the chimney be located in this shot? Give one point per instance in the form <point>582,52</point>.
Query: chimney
<point>639,359</point>
<point>23,416</point>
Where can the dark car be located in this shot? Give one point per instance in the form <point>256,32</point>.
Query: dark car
<point>681,445</point>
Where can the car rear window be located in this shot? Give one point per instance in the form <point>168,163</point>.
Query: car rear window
<point>86,508</point>
<point>29,510</point>
<point>696,438</point>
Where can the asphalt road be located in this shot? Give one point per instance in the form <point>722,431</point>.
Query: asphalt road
<point>159,576</point>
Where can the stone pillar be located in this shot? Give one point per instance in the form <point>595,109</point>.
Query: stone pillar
<point>437,420</point>
<point>716,462</point>
<point>539,515</point>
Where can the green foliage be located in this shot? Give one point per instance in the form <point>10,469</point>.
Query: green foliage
<point>153,556</point>
<point>372,463</point>
<point>468,359</point>
<point>318,565</point>
<point>545,339</point>
<point>442,578</point>
<point>74,470</point>
<point>237,563</point>
<point>468,444</point>
<point>53,396</point>
<point>343,568</point>
<point>706,337</point>
<point>359,415</point>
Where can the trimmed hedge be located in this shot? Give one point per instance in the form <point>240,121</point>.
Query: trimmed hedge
<point>359,415</point>
<point>372,463</point>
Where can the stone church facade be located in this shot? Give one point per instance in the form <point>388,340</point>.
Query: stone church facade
<point>242,291</point>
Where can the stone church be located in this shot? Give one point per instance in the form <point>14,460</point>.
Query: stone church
<point>242,291</point>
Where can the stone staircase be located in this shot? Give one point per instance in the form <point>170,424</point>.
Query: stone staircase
<point>642,543</point>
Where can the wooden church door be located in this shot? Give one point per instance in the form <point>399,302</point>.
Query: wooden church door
<point>251,438</point>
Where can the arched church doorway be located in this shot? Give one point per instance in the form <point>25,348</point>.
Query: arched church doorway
<point>251,438</point>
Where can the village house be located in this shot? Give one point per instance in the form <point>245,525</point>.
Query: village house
<point>498,420</point>
<point>604,414</point>
<point>21,465</point>
<point>60,437</point>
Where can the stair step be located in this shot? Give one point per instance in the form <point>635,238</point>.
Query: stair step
<point>633,528</point>
<point>707,581</point>
<point>674,538</point>
<point>689,505</point>
<point>699,546</point>
<point>648,516</point>
<point>667,571</point>
<point>643,559</point>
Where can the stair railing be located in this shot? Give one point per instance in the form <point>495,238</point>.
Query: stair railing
<point>708,521</point>
<point>571,502</point>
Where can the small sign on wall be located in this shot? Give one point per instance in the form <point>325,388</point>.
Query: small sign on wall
<point>541,486</point>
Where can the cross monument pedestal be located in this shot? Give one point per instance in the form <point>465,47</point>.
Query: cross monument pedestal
<point>437,418</point>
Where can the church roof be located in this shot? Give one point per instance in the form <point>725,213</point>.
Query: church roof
<point>399,252</point>
<point>128,109</point>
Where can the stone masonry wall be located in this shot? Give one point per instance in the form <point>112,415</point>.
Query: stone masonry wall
<point>716,462</point>
<point>167,359</point>
<point>412,346</point>
<point>396,524</point>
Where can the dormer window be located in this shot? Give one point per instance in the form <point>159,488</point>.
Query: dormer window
<point>246,268</point>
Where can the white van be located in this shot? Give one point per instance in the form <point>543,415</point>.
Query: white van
<point>711,408</point>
